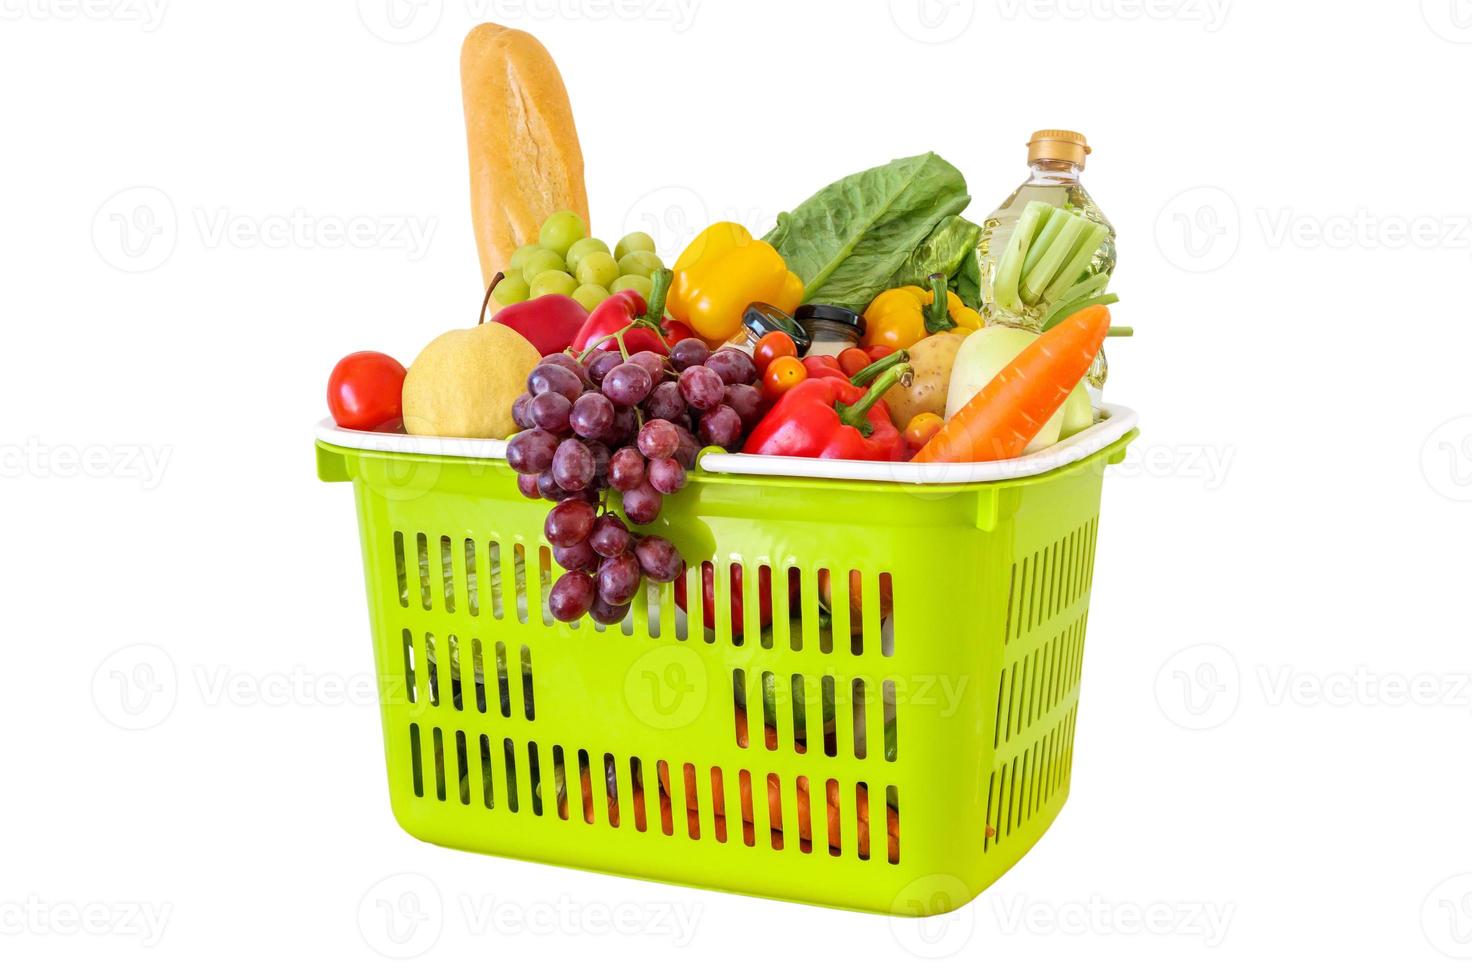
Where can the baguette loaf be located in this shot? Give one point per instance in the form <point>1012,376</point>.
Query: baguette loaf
<point>525,161</point>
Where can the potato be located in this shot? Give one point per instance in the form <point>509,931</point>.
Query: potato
<point>932,359</point>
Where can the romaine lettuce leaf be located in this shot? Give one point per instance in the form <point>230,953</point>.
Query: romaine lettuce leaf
<point>848,240</point>
<point>944,250</point>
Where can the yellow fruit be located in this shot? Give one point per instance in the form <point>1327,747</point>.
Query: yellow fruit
<point>464,382</point>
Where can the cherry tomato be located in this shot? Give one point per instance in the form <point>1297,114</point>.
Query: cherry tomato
<point>365,391</point>
<point>878,351</point>
<point>771,347</point>
<point>782,375</point>
<point>853,360</point>
<point>922,429</point>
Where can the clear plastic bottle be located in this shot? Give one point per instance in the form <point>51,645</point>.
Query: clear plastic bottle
<point>1056,158</point>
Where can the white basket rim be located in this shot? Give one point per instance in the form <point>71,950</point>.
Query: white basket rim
<point>1115,421</point>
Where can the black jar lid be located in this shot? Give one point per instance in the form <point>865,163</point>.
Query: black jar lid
<point>764,318</point>
<point>837,314</point>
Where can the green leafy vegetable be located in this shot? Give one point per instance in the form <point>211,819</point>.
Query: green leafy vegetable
<point>944,250</point>
<point>967,280</point>
<point>848,240</point>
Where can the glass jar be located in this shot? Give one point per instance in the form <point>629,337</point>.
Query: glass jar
<point>832,329</point>
<point>761,319</point>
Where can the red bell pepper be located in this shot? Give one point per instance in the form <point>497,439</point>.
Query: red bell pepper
<point>827,366</point>
<point>869,372</point>
<point>830,418</point>
<point>625,321</point>
<point>550,322</point>
<point>823,366</point>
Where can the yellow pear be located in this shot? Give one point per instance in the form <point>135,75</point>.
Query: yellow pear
<point>464,382</point>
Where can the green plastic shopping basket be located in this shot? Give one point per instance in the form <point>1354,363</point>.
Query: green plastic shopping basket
<point>892,736</point>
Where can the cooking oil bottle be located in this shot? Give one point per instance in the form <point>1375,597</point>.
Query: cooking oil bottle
<point>1056,159</point>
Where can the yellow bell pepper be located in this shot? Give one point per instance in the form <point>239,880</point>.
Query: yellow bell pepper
<point>901,316</point>
<point>722,272</point>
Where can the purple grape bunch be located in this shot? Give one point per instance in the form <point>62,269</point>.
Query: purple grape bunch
<point>632,425</point>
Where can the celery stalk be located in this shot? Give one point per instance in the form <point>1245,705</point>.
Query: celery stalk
<point>1084,287</point>
<point>1053,259</point>
<point>1004,285</point>
<point>1063,311</point>
<point>1057,218</point>
<point>1078,260</point>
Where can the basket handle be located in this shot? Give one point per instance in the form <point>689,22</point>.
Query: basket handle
<point>332,466</point>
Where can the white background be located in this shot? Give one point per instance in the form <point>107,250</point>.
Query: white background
<point>1282,557</point>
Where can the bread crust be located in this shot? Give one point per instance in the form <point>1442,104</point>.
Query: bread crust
<point>525,159</point>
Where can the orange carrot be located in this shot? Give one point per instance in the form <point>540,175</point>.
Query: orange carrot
<point>1002,418</point>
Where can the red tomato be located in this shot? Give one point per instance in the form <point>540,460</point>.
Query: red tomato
<point>365,391</point>
<point>771,347</point>
<point>878,351</point>
<point>852,361</point>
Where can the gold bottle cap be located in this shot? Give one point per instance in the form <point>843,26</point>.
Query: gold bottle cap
<point>1058,144</point>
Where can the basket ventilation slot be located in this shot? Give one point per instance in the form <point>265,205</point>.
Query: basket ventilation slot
<point>1022,786</point>
<point>1038,682</point>
<point>463,576</point>
<point>589,790</point>
<point>448,571</point>
<point>798,619</point>
<point>468,666</point>
<point>815,714</point>
<point>1050,580</point>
